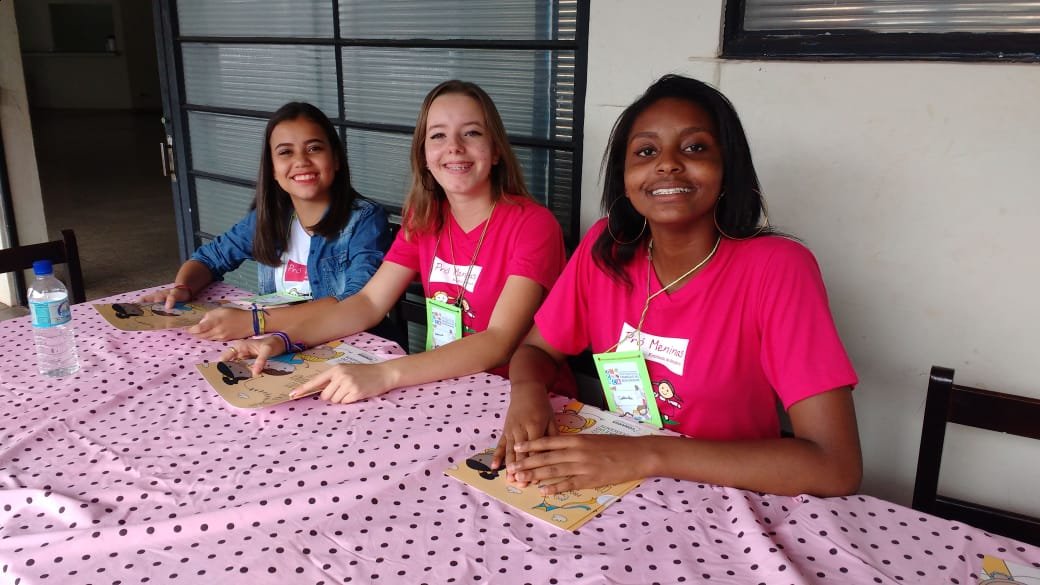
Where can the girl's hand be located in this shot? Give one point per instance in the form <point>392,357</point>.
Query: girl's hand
<point>346,383</point>
<point>529,417</point>
<point>168,297</point>
<point>572,462</point>
<point>224,325</point>
<point>261,348</point>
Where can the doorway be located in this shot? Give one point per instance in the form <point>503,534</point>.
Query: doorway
<point>94,100</point>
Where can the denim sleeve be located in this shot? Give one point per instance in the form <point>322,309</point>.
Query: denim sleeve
<point>368,243</point>
<point>230,249</point>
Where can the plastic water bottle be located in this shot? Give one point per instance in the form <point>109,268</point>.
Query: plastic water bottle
<point>52,323</point>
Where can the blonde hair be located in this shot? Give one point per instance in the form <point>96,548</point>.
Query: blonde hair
<point>424,204</point>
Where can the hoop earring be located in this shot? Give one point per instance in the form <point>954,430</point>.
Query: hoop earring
<point>715,218</point>
<point>611,230</point>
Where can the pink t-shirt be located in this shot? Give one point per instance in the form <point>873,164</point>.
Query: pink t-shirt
<point>523,239</point>
<point>752,325</point>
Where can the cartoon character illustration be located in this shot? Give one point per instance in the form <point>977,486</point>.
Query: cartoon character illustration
<point>161,310</point>
<point>482,462</point>
<point>127,310</point>
<point>580,505</point>
<point>277,368</point>
<point>320,353</point>
<point>441,296</point>
<point>233,372</point>
<point>667,402</point>
<point>569,421</point>
<point>203,305</point>
<point>466,309</point>
<point>996,571</point>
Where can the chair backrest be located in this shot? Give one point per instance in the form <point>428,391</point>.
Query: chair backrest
<point>63,251</point>
<point>984,409</point>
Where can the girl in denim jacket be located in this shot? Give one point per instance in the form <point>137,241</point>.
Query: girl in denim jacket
<point>309,230</point>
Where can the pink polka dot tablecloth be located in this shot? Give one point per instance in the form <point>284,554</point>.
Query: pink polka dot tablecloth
<point>135,471</point>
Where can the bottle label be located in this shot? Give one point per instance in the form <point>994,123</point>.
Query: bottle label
<point>50,313</point>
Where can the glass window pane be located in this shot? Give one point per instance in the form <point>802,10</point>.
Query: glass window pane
<point>379,169</point>
<point>226,145</point>
<point>388,85</point>
<point>255,18</point>
<point>458,19</point>
<point>894,16</point>
<point>220,206</point>
<point>379,165</point>
<point>260,77</point>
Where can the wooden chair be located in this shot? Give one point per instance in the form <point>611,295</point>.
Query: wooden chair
<point>63,251</point>
<point>984,409</point>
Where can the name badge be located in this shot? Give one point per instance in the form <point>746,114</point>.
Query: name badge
<point>443,323</point>
<point>442,271</point>
<point>626,385</point>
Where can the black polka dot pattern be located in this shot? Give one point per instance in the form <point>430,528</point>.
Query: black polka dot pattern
<point>134,471</point>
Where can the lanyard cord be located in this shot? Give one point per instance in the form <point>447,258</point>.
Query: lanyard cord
<point>473,259</point>
<point>649,297</point>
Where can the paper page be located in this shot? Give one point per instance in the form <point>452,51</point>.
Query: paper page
<point>996,571</point>
<point>275,299</point>
<point>282,374</point>
<point>569,510</point>
<point>154,316</point>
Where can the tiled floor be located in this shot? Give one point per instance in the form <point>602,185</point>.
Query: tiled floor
<point>101,176</point>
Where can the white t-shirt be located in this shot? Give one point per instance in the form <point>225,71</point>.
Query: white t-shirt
<point>291,276</point>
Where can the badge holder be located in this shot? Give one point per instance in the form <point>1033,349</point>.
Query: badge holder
<point>626,385</point>
<point>443,323</point>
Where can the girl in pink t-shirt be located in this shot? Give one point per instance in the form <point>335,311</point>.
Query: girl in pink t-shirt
<point>727,317</point>
<point>471,233</point>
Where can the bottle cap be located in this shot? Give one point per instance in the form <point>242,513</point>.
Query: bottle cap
<point>41,267</point>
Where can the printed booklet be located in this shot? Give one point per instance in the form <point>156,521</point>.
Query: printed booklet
<point>154,316</point>
<point>569,510</point>
<point>282,374</point>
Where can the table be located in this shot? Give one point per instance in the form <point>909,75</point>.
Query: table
<point>135,471</point>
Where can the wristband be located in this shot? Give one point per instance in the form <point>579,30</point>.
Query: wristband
<point>290,347</point>
<point>191,293</point>
<point>259,321</point>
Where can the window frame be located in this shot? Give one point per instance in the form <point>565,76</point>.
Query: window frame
<point>843,45</point>
<point>579,47</point>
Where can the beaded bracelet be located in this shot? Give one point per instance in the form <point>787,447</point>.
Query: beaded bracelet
<point>290,347</point>
<point>259,321</point>
<point>191,293</point>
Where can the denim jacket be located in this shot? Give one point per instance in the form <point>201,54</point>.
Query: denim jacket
<point>335,268</point>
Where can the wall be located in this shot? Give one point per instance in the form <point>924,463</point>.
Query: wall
<point>913,183</point>
<point>73,80</point>
<point>18,145</point>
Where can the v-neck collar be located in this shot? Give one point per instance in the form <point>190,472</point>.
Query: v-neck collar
<point>694,285</point>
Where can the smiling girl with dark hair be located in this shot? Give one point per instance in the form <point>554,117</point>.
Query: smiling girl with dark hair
<point>309,230</point>
<point>684,281</point>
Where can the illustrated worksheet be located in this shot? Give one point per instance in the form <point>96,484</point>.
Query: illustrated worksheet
<point>154,316</point>
<point>281,375</point>
<point>569,510</point>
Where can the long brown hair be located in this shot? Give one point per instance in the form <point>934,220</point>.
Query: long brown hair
<point>274,206</point>
<point>424,205</point>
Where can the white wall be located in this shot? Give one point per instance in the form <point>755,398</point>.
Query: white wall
<point>19,153</point>
<point>914,184</point>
